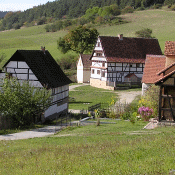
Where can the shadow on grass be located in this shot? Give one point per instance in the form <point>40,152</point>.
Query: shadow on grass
<point>80,102</point>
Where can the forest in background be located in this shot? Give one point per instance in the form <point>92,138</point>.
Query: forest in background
<point>68,9</point>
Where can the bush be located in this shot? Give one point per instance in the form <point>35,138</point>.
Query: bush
<point>47,28</point>
<point>67,62</point>
<point>22,102</point>
<point>144,33</point>
<point>151,99</point>
<point>173,7</point>
<point>156,6</point>
<point>127,10</point>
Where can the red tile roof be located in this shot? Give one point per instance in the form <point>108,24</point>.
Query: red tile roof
<point>129,49</point>
<point>86,60</point>
<point>169,48</point>
<point>163,79</point>
<point>165,69</point>
<point>130,75</point>
<point>153,65</point>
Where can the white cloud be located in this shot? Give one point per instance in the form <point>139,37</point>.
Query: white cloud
<point>15,7</point>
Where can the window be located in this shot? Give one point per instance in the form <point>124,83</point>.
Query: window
<point>93,71</point>
<point>130,65</point>
<point>103,73</point>
<point>138,65</point>
<point>98,44</point>
<point>99,54</point>
<point>103,64</point>
<point>98,72</point>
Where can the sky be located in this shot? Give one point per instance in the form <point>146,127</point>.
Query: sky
<point>16,5</point>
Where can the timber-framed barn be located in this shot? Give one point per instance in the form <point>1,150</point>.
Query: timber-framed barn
<point>41,70</point>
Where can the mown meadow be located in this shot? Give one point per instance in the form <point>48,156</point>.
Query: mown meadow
<point>162,22</point>
<point>119,148</point>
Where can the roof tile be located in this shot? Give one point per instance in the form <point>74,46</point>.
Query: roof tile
<point>153,65</point>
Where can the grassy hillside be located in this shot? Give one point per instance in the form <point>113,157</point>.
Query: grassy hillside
<point>160,21</point>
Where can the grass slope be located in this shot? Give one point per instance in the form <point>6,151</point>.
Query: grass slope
<point>162,23</point>
<point>120,148</point>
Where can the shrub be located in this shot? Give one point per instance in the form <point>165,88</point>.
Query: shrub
<point>127,10</point>
<point>68,62</point>
<point>47,28</point>
<point>144,33</point>
<point>151,99</point>
<point>173,7</point>
<point>22,102</point>
<point>133,117</point>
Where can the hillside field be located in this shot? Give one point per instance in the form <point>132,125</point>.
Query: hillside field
<point>162,23</point>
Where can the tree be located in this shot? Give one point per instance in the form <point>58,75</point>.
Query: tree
<point>144,33</point>
<point>80,39</point>
<point>21,102</point>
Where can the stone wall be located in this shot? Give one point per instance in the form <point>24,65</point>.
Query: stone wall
<point>100,84</point>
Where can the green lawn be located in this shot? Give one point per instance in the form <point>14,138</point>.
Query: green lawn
<point>121,148</point>
<point>85,96</point>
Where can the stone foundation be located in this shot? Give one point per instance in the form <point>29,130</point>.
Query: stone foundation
<point>100,84</point>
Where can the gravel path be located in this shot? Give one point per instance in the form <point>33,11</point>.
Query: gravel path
<point>41,132</point>
<point>128,96</point>
<point>71,88</point>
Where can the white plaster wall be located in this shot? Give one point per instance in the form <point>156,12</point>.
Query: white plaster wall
<point>2,75</point>
<point>35,83</point>
<point>55,109</point>
<point>95,64</point>
<point>145,87</point>
<point>10,70</point>
<point>32,77</point>
<point>22,64</point>
<point>80,74</point>
<point>12,64</point>
<point>95,75</point>
<point>98,59</point>
<point>21,70</point>
<point>30,71</point>
<point>22,76</point>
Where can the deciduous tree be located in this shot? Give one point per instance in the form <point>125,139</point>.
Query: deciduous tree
<point>80,39</point>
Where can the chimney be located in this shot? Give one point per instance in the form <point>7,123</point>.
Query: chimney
<point>169,53</point>
<point>120,36</point>
<point>43,49</point>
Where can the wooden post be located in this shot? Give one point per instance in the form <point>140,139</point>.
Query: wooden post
<point>160,103</point>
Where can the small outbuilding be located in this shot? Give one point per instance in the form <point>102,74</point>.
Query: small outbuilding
<point>83,69</point>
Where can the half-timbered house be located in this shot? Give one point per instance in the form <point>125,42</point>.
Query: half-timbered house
<point>115,58</point>
<point>160,70</point>
<point>83,69</point>
<point>41,70</point>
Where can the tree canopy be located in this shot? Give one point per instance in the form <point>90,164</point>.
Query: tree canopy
<point>80,39</point>
<point>72,9</point>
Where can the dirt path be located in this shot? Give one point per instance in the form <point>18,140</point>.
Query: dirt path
<point>128,96</point>
<point>71,88</point>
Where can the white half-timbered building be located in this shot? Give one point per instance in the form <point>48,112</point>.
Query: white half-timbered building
<point>41,70</point>
<point>116,58</point>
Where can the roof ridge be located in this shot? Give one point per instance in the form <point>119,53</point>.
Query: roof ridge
<point>128,37</point>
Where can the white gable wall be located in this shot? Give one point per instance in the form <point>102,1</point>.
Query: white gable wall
<point>21,70</point>
<point>80,71</point>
